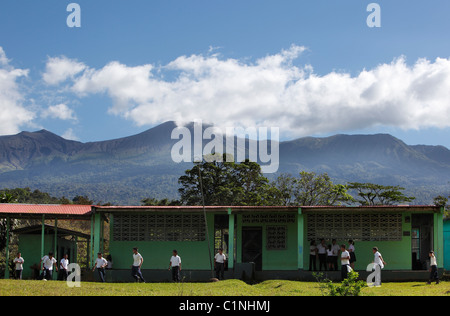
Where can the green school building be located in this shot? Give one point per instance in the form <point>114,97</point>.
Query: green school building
<point>270,242</point>
<point>260,242</point>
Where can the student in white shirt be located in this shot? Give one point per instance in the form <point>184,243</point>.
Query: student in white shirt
<point>345,262</point>
<point>175,266</point>
<point>434,276</point>
<point>138,260</point>
<point>322,252</point>
<point>330,259</point>
<point>63,266</point>
<point>100,264</point>
<point>47,266</point>
<point>312,256</point>
<point>19,266</point>
<point>219,264</point>
<point>335,248</point>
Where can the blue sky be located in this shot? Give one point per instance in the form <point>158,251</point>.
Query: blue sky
<point>305,66</point>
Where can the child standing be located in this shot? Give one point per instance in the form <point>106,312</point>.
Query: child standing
<point>175,265</point>
<point>330,258</point>
<point>433,268</point>
<point>19,266</point>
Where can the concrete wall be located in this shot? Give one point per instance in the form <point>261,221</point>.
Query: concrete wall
<point>157,254</point>
<point>447,245</point>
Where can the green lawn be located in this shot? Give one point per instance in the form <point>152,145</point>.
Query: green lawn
<point>224,288</point>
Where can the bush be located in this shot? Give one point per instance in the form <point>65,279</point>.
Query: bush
<point>349,287</point>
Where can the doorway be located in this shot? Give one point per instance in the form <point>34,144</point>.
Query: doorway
<point>421,240</point>
<point>252,246</point>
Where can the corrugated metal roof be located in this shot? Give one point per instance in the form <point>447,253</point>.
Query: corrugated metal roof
<point>11,208</point>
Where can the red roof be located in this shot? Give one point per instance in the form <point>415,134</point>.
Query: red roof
<point>11,208</point>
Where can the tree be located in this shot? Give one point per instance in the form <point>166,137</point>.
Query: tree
<point>226,183</point>
<point>376,194</point>
<point>318,189</point>
<point>6,198</point>
<point>82,200</point>
<point>285,185</point>
<point>442,201</point>
<point>156,202</point>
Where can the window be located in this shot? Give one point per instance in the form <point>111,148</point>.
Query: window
<point>276,237</point>
<point>159,227</point>
<point>359,227</point>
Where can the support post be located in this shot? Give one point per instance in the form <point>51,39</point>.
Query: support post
<point>8,224</point>
<point>43,236</point>
<point>55,247</point>
<point>91,243</point>
<point>97,233</point>
<point>230,239</point>
<point>74,258</point>
<point>439,237</point>
<point>300,239</point>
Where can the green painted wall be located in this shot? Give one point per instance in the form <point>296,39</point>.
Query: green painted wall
<point>446,237</point>
<point>397,254</point>
<point>194,255</point>
<point>30,247</point>
<point>272,259</point>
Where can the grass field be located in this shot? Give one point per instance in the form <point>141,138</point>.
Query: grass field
<point>224,288</point>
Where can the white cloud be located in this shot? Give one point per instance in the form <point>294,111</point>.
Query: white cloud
<point>275,92</point>
<point>60,111</point>
<point>70,135</point>
<point>13,113</point>
<point>59,69</point>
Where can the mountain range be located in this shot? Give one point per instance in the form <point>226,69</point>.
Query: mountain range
<point>126,170</point>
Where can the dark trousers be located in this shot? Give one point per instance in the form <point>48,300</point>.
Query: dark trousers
<point>220,268</point>
<point>344,271</point>
<point>434,276</point>
<point>18,274</point>
<point>312,262</point>
<point>101,274</point>
<point>47,274</point>
<point>176,274</point>
<point>62,276</point>
<point>322,261</point>
<point>335,263</point>
<point>137,274</point>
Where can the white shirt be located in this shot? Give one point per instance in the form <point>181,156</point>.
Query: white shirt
<point>377,260</point>
<point>335,248</point>
<point>312,250</point>
<point>19,263</point>
<point>64,263</point>
<point>433,261</point>
<point>322,249</point>
<point>330,253</point>
<point>220,258</point>
<point>48,263</point>
<point>101,262</point>
<point>351,248</point>
<point>175,261</point>
<point>137,259</point>
<point>345,254</point>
